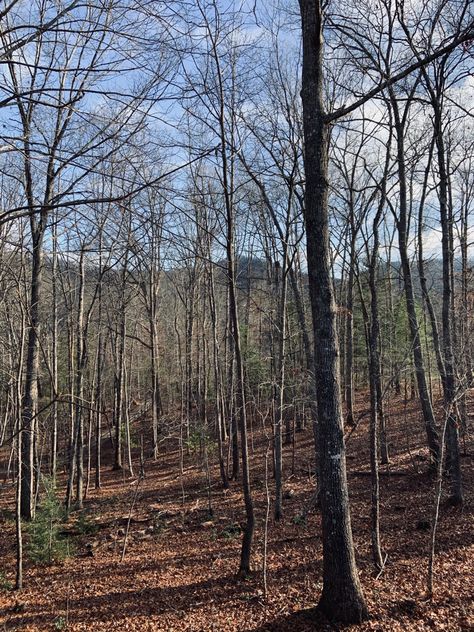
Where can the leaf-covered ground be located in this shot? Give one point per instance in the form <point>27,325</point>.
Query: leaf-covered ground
<point>178,571</point>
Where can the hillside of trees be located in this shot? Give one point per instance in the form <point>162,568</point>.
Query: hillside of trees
<point>236,315</point>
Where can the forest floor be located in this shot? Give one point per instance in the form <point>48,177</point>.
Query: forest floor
<point>178,572</point>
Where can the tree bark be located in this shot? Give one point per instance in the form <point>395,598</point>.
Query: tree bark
<point>342,596</point>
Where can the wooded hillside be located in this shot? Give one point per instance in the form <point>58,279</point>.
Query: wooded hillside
<point>236,314</point>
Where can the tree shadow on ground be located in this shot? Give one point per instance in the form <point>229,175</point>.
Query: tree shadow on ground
<point>131,603</point>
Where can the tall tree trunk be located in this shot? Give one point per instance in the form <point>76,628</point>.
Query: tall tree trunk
<point>452,430</point>
<point>231,401</point>
<point>227,181</point>
<point>155,380</point>
<point>54,358</point>
<point>219,429</point>
<point>244,568</point>
<point>280,377</point>
<point>422,272</point>
<point>30,396</point>
<point>76,456</point>
<point>342,596</point>
<point>80,367</point>
<point>375,381</point>
<point>99,365</point>
<point>349,337</point>
<point>415,339</point>
<point>119,386</point>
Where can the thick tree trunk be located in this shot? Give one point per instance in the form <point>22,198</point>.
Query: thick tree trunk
<point>342,596</point>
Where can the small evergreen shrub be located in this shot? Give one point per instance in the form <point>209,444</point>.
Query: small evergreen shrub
<point>85,525</point>
<point>5,584</point>
<point>300,520</point>
<point>200,440</point>
<point>60,623</point>
<point>45,543</point>
<point>231,531</point>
